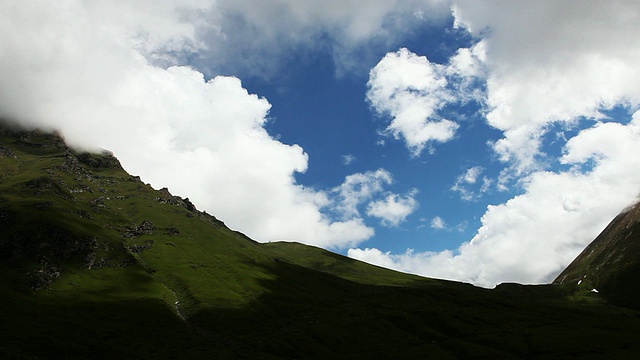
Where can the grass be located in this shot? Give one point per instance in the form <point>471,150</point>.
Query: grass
<point>142,276</point>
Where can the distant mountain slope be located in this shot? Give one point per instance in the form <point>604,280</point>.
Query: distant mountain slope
<point>611,263</point>
<point>96,264</point>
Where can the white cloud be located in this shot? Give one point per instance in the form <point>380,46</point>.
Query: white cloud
<point>87,69</point>
<point>471,175</point>
<point>464,183</point>
<point>533,236</point>
<point>348,159</point>
<point>469,62</point>
<point>412,91</point>
<point>367,190</point>
<point>486,184</point>
<point>467,71</point>
<point>374,256</point>
<point>438,223</point>
<point>360,188</point>
<point>411,262</point>
<point>393,209</point>
<point>552,62</point>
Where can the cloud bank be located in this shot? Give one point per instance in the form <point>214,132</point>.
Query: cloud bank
<point>552,63</point>
<point>263,34</point>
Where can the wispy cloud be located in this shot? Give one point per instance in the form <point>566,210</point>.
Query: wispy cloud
<point>360,188</point>
<point>467,181</point>
<point>348,159</point>
<point>368,191</point>
<point>438,223</point>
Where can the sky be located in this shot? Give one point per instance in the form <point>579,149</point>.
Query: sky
<point>478,141</point>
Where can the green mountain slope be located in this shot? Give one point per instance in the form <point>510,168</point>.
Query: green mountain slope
<point>94,263</point>
<point>611,263</point>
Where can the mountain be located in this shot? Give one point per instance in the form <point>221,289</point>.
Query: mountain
<point>611,263</point>
<point>95,263</point>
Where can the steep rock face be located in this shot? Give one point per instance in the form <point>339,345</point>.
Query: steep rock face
<point>611,263</point>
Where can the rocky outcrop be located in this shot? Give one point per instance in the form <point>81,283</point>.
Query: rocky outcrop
<point>145,228</point>
<point>7,153</point>
<point>104,160</point>
<point>139,248</point>
<point>42,277</point>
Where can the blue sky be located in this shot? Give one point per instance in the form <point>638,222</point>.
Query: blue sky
<point>329,116</point>
<point>478,141</point>
<point>331,119</point>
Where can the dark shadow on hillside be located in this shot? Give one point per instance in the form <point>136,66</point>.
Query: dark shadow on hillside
<point>310,314</point>
<point>135,329</point>
<point>307,314</point>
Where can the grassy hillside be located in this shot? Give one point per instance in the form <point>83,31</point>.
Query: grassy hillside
<point>94,263</point>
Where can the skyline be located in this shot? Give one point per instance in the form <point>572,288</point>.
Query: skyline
<point>475,141</point>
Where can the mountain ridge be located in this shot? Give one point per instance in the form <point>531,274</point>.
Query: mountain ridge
<point>96,263</point>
